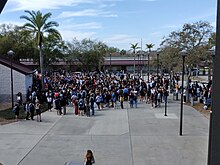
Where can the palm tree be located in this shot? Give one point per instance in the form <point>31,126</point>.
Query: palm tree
<point>38,25</point>
<point>123,52</point>
<point>149,46</point>
<point>134,48</point>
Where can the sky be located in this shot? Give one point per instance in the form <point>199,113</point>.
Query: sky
<point>117,23</point>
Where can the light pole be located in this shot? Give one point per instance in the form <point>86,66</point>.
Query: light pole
<point>157,64</point>
<point>183,53</point>
<point>212,51</point>
<point>110,63</point>
<point>148,65</point>
<point>165,101</point>
<point>11,53</point>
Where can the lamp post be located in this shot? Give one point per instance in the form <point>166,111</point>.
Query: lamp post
<point>148,65</point>
<point>165,101</point>
<point>212,51</point>
<point>157,64</point>
<point>110,63</point>
<point>11,53</point>
<point>183,53</point>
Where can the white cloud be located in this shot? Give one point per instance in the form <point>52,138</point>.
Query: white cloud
<point>19,5</point>
<point>121,41</point>
<point>120,38</point>
<point>86,12</point>
<point>68,35</point>
<point>40,4</point>
<point>156,34</point>
<point>90,25</point>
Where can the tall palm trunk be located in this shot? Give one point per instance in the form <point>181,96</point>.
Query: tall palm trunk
<point>42,68</point>
<point>134,63</point>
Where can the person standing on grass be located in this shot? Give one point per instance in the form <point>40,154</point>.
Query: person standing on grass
<point>38,110</point>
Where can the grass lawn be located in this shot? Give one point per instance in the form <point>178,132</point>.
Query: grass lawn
<point>8,116</point>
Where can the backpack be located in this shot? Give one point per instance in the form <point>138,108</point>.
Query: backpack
<point>14,108</point>
<point>81,104</point>
<point>62,101</point>
<point>57,104</point>
<point>31,107</point>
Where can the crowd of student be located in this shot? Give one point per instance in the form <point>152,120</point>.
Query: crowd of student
<point>89,91</point>
<point>85,92</point>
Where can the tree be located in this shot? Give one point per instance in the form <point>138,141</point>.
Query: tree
<point>149,47</point>
<point>14,38</point>
<point>194,38</point>
<point>134,48</point>
<point>123,52</point>
<point>38,25</point>
<point>55,50</point>
<point>87,54</point>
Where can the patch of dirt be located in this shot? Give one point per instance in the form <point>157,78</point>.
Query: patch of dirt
<point>199,107</point>
<point>4,121</point>
<point>4,106</point>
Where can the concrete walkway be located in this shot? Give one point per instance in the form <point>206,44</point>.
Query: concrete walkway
<point>142,136</point>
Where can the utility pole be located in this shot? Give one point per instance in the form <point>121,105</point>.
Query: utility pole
<point>214,142</point>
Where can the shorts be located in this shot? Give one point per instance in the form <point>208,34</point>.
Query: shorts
<point>38,111</point>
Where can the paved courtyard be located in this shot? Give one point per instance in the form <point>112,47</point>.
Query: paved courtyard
<point>142,136</point>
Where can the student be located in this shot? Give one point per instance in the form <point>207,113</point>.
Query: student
<point>49,102</point>
<point>32,109</point>
<point>38,110</point>
<point>27,109</point>
<point>16,110</point>
<point>121,101</point>
<point>81,106</point>
<point>89,158</point>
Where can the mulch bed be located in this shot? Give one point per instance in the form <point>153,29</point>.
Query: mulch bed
<point>199,107</point>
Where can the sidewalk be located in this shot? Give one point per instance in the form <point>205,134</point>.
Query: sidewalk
<point>142,136</point>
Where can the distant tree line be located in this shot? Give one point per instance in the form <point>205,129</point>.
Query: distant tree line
<point>38,38</point>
